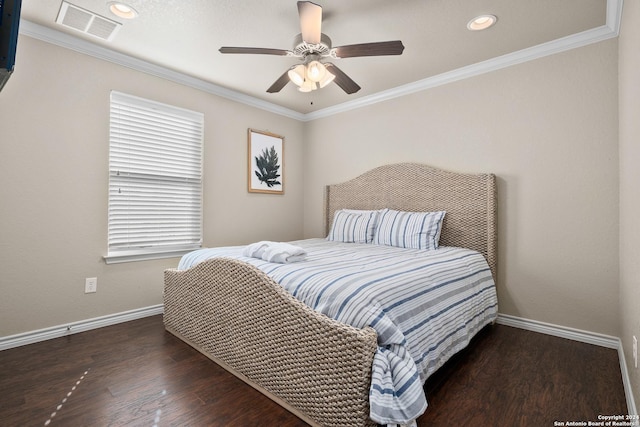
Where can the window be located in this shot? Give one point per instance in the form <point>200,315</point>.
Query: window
<point>155,179</point>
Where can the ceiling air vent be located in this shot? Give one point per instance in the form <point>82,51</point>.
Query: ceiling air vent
<point>87,22</point>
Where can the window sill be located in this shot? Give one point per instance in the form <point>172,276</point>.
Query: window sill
<point>133,256</point>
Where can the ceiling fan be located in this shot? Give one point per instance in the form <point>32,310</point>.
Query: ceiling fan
<point>314,49</point>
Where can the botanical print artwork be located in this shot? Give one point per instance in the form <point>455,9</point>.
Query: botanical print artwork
<point>265,162</point>
<point>268,167</point>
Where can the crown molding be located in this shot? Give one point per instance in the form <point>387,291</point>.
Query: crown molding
<point>614,15</point>
<point>477,69</point>
<point>67,41</point>
<point>611,29</point>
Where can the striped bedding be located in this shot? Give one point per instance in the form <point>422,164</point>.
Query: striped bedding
<point>424,305</point>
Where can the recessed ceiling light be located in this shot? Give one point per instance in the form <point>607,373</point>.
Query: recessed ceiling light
<point>122,10</point>
<point>481,22</point>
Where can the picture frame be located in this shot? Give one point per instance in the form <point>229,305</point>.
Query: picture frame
<point>265,159</point>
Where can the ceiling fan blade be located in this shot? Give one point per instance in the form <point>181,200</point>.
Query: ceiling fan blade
<point>254,50</point>
<point>345,82</point>
<point>394,47</point>
<point>310,21</point>
<point>280,83</point>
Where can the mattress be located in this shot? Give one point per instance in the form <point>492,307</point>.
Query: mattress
<point>425,306</point>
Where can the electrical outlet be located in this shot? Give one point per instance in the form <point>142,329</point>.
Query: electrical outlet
<point>635,351</point>
<point>90,285</point>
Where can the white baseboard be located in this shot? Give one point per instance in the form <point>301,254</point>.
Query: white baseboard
<point>582,336</point>
<point>608,341</point>
<point>628,391</point>
<point>18,340</point>
<point>559,331</point>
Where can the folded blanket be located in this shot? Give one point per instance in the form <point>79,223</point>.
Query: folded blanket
<point>279,252</point>
<point>283,253</point>
<point>256,250</point>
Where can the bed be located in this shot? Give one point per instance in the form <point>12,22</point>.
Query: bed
<point>317,367</point>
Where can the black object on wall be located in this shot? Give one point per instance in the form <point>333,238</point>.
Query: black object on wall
<point>9,21</point>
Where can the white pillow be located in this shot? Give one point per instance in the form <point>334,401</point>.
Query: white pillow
<point>416,230</point>
<point>353,226</point>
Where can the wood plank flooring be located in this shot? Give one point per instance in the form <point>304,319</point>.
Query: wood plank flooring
<point>136,374</point>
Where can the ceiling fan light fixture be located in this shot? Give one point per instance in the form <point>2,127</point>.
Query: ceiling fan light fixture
<point>482,22</point>
<point>316,71</point>
<point>328,78</point>
<point>308,86</point>
<point>296,74</point>
<point>122,10</point>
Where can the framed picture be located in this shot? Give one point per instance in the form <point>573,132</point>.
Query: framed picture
<point>266,162</point>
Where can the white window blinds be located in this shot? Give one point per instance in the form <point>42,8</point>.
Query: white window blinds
<point>155,178</point>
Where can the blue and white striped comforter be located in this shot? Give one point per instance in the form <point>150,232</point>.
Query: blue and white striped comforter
<point>424,305</point>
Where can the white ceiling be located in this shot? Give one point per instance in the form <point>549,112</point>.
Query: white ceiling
<point>184,36</point>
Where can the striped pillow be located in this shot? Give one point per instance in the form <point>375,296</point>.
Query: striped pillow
<point>351,226</point>
<point>415,230</point>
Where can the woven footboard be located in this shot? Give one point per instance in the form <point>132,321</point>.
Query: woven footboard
<point>236,315</point>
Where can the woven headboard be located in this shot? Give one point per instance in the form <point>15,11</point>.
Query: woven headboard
<point>469,199</point>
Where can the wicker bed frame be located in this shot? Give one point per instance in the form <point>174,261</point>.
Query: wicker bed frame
<point>314,366</point>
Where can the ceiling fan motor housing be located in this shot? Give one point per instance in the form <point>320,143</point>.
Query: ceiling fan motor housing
<point>302,49</point>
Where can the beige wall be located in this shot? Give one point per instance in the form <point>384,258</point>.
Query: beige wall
<point>53,199</point>
<point>629,70</point>
<point>548,129</point>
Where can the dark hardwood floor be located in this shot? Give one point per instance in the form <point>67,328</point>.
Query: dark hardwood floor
<point>512,377</point>
<point>136,374</point>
